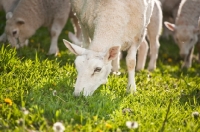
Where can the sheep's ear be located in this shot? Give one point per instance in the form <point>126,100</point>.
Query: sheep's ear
<point>170,26</point>
<point>77,50</point>
<point>20,21</point>
<point>112,53</point>
<point>9,15</point>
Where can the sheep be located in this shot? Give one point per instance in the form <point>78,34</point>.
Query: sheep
<point>30,15</point>
<point>7,6</point>
<point>108,26</point>
<point>153,33</point>
<point>185,30</point>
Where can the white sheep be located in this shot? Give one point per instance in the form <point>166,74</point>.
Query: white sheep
<point>186,29</point>
<point>153,33</point>
<point>108,26</point>
<point>29,15</point>
<point>7,6</point>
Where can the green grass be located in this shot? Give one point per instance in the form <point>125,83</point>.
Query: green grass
<point>164,101</point>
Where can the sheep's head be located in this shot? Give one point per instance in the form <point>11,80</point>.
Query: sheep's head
<point>93,67</point>
<point>185,36</point>
<point>16,30</point>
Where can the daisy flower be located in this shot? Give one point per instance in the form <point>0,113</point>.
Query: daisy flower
<point>195,114</point>
<point>54,92</point>
<point>58,127</point>
<point>25,111</point>
<point>132,124</point>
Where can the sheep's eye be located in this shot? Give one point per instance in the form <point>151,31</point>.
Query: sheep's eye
<point>97,69</point>
<point>191,40</point>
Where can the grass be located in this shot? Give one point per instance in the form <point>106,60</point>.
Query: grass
<point>164,101</point>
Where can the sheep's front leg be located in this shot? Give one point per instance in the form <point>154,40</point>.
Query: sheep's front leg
<point>142,55</point>
<point>55,30</point>
<point>3,37</point>
<point>116,65</point>
<point>188,59</point>
<point>154,48</point>
<point>23,42</point>
<point>131,62</point>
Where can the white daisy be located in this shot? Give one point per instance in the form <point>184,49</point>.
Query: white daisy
<point>54,92</point>
<point>25,111</point>
<point>195,114</point>
<point>58,127</point>
<point>132,124</point>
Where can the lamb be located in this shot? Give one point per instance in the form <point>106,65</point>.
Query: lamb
<point>30,15</point>
<point>108,27</point>
<point>185,30</point>
<point>7,6</point>
<point>153,33</point>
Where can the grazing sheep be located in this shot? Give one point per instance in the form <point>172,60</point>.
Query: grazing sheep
<point>186,29</point>
<point>30,15</point>
<point>108,26</point>
<point>7,6</point>
<point>153,34</point>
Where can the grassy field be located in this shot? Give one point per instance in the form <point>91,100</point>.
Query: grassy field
<point>36,91</point>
